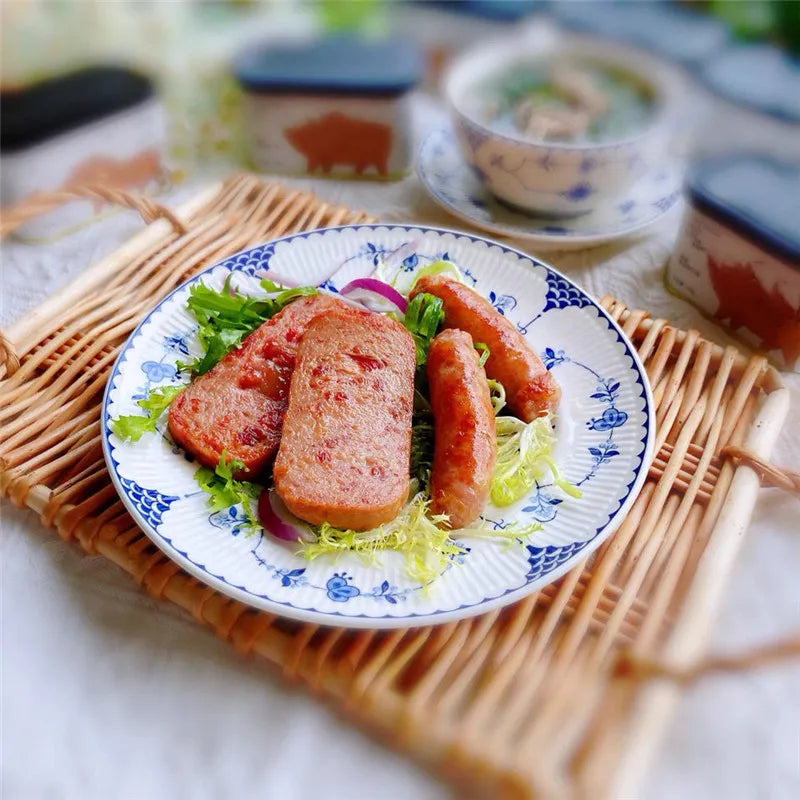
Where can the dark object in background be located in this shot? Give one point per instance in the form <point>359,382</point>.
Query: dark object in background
<point>338,106</point>
<point>101,125</point>
<point>684,36</point>
<point>775,20</point>
<point>757,76</point>
<point>738,255</point>
<point>443,28</point>
<point>43,110</point>
<point>501,10</point>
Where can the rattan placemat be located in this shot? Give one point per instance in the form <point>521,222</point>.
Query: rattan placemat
<point>525,701</point>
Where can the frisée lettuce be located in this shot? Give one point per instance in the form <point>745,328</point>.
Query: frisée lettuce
<point>524,458</point>
<point>420,536</point>
<point>131,427</point>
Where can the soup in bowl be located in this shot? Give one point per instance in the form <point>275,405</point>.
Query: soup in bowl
<point>559,131</point>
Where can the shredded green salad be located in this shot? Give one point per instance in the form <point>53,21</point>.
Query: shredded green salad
<point>414,532</point>
<point>226,316</point>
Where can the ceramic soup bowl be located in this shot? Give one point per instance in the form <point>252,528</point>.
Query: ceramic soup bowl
<point>561,178</point>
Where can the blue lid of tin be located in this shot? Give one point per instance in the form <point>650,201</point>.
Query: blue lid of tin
<point>758,76</point>
<point>755,195</point>
<point>336,64</point>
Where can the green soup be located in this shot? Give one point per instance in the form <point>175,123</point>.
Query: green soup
<point>569,102</point>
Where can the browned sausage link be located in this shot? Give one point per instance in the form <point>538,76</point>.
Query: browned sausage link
<point>465,444</point>
<point>530,389</point>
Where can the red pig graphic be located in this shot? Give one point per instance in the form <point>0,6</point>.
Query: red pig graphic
<point>335,138</point>
<point>745,303</point>
<point>120,173</point>
<point>131,173</point>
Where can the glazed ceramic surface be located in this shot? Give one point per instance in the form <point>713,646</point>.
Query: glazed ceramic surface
<point>451,183</point>
<point>564,179</point>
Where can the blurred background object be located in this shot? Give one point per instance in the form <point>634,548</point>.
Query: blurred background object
<point>98,126</point>
<point>186,48</point>
<point>443,29</point>
<point>233,78</point>
<point>738,254</point>
<point>561,127</point>
<point>336,106</point>
<point>665,29</point>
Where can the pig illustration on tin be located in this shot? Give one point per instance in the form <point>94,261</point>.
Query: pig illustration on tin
<point>121,173</point>
<point>745,303</point>
<point>336,139</point>
<point>131,173</point>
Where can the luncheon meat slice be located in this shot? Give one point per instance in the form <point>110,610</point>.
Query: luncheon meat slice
<point>465,441</point>
<point>346,443</point>
<point>531,390</point>
<point>239,404</point>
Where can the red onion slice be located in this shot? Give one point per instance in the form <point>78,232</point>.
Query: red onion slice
<point>271,513</point>
<point>375,295</point>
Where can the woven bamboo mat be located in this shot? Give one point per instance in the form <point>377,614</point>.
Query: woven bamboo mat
<point>529,700</point>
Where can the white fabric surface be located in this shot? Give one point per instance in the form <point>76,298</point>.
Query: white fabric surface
<point>108,694</point>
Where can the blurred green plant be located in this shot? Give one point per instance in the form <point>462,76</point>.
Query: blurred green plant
<point>348,15</point>
<point>774,20</point>
<point>787,15</point>
<point>749,19</point>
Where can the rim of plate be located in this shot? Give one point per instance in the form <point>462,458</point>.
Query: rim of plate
<point>412,620</point>
<point>565,240</point>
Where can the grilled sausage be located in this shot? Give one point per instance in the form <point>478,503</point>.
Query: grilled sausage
<point>530,389</point>
<point>465,444</point>
<point>346,442</point>
<point>239,404</point>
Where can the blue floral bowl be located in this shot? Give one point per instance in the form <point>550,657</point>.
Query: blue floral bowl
<point>555,178</point>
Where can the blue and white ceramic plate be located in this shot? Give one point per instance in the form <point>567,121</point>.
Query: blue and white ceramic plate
<point>453,185</point>
<point>605,431</point>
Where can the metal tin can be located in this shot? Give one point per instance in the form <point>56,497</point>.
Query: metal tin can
<point>738,252</point>
<point>337,107</point>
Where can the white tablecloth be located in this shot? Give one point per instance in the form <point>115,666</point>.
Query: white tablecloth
<point>108,694</point>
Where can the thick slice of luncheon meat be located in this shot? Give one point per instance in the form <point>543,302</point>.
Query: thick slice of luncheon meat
<point>530,389</point>
<point>238,406</point>
<point>346,444</point>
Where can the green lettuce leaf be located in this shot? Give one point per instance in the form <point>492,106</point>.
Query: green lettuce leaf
<point>497,394</point>
<point>483,349</point>
<point>225,491</point>
<point>226,317</point>
<point>423,318</point>
<point>131,427</point>
<point>426,547</point>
